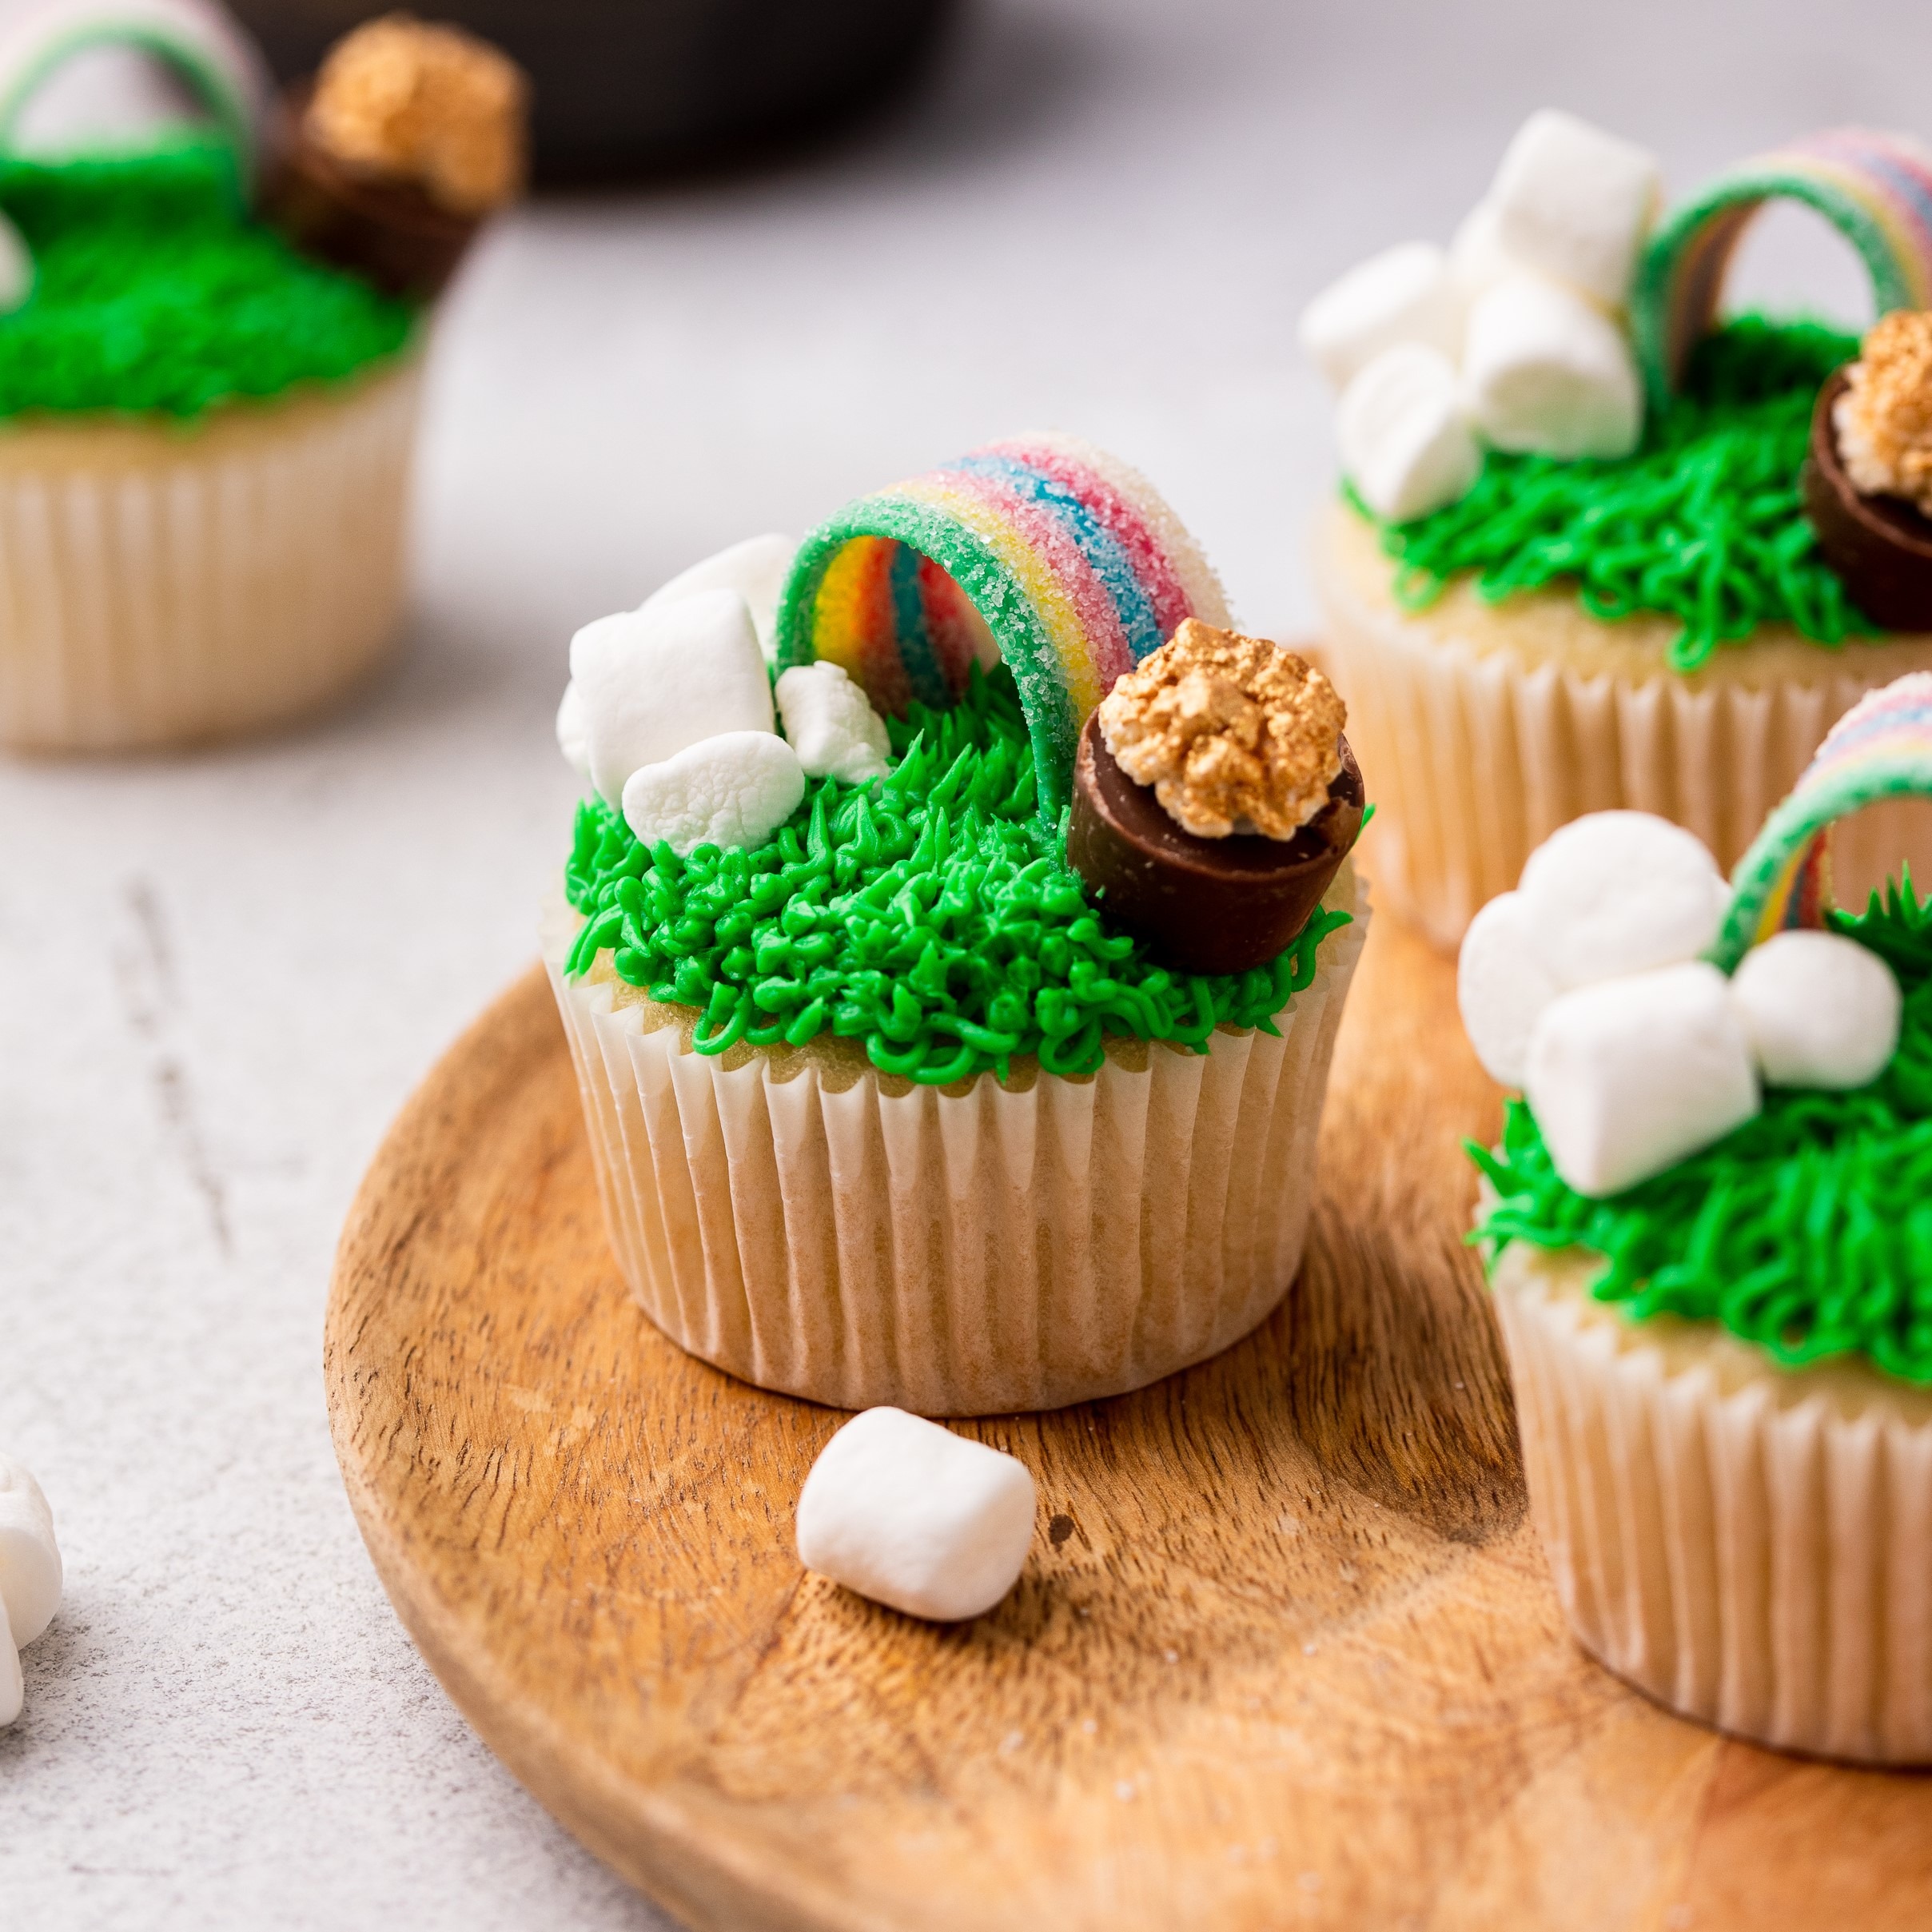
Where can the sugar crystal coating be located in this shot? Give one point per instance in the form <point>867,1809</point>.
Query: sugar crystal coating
<point>1884,418</point>
<point>1232,732</point>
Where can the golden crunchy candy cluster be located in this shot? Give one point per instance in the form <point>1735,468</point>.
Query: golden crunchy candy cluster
<point>1884,418</point>
<point>1234,733</point>
<point>431,104</point>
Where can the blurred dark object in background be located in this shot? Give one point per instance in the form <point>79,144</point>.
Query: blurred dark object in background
<point>629,87</point>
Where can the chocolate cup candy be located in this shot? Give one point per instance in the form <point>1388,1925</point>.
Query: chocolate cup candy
<point>390,232</point>
<point>1203,904</point>
<point>1880,546</point>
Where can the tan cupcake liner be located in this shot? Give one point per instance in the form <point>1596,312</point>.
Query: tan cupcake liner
<point>1750,1546</point>
<point>1480,729</point>
<point>815,1227</point>
<point>160,583</point>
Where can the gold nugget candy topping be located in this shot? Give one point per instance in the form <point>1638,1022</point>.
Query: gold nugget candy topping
<point>1884,418</point>
<point>431,104</point>
<point>1234,733</point>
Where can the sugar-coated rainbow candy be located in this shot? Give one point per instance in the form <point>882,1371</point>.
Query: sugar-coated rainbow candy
<point>1063,560</point>
<point>1875,189</point>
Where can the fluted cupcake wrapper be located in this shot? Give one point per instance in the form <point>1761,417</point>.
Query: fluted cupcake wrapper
<point>1747,1545</point>
<point>815,1228</point>
<point>160,583</point>
<point>1475,752</point>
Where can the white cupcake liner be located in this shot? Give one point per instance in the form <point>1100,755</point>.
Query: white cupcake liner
<point>1481,729</point>
<point>162,583</point>
<point>812,1227</point>
<point>1750,1546</point>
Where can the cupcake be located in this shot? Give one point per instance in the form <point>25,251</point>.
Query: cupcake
<point>1710,1252</point>
<point>930,1056</point>
<point>1572,569</point>
<point>205,432</point>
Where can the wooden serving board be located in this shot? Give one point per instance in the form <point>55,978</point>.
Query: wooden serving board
<point>1286,1653</point>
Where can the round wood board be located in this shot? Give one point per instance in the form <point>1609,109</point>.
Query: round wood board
<point>1285,1653</point>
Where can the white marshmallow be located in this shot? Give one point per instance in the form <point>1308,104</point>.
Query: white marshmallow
<point>12,1691</point>
<point>1405,443</point>
<point>574,731</point>
<point>16,268</point>
<point>1478,260</point>
<point>1575,204</point>
<point>1819,1009</point>
<point>653,681</point>
<point>831,723</point>
<point>1404,294</point>
<point>1627,1077</point>
<point>29,1557</point>
<point>1544,371</point>
<point>756,569</point>
<point>735,789</point>
<point>1502,986</point>
<point>1617,892</point>
<point>909,1514</point>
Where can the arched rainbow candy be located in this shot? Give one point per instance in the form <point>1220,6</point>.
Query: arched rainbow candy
<point>1880,748</point>
<point>1875,189</point>
<point>1063,560</point>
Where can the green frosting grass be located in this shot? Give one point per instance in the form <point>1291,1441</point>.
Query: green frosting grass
<point>1703,522</point>
<point>1808,1230</point>
<point>930,914</point>
<point>153,292</point>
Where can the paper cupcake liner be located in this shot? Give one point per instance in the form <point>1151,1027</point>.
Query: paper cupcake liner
<point>812,1227</point>
<point>163,584</point>
<point>1747,1545</point>
<point>1480,729</point>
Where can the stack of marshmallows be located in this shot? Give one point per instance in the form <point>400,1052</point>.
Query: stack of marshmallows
<point>1585,987</point>
<point>1517,335</point>
<point>669,716</point>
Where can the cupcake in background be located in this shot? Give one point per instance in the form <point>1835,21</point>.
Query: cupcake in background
<point>953,1022</point>
<point>1574,568</point>
<point>1711,1249</point>
<point>206,432</point>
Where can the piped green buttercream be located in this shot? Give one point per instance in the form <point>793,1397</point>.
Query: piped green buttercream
<point>930,914</point>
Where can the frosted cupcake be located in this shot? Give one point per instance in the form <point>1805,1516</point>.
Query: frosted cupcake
<point>1711,1251</point>
<point>205,434</point>
<point>892,1100</point>
<point>1573,570</point>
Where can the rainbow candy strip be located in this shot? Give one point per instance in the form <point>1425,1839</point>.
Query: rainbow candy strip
<point>1880,748</point>
<point>1044,550</point>
<point>1875,189</point>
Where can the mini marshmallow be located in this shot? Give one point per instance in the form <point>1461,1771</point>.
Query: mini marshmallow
<point>735,789</point>
<point>1478,260</point>
<point>1575,204</point>
<point>1544,371</point>
<point>29,1557</point>
<point>1819,1009</point>
<point>652,682</point>
<point>756,569</point>
<point>1502,986</point>
<point>1405,443</point>
<point>16,268</point>
<point>1627,1077</point>
<point>831,723</point>
<point>1404,294</point>
<point>910,1515</point>
<point>574,731</point>
<point>1617,892</point>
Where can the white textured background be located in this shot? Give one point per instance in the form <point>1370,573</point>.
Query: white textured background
<point>219,976</point>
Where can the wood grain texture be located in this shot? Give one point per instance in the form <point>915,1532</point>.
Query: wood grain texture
<point>1285,1653</point>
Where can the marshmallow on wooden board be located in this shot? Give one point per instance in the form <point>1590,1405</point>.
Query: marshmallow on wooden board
<point>651,681</point>
<point>1575,204</point>
<point>1404,294</point>
<point>1628,1077</point>
<point>1405,441</point>
<point>1502,986</point>
<point>1819,1009</point>
<point>910,1515</point>
<point>756,569</point>
<point>831,724</point>
<point>29,1557</point>
<point>1616,892</point>
<point>735,789</point>
<point>1544,371</point>
<point>16,268</point>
